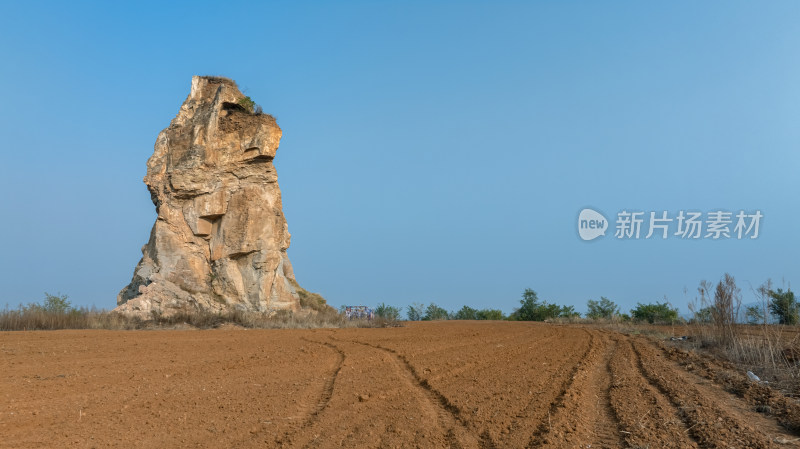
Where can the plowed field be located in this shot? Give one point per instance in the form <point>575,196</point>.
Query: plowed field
<point>444,384</point>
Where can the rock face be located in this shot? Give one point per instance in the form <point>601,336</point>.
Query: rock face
<point>220,238</point>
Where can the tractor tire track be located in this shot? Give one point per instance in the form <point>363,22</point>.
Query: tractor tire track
<point>315,410</point>
<point>645,413</point>
<point>330,383</point>
<point>516,350</point>
<point>582,415</point>
<point>707,422</point>
<point>448,415</point>
<point>533,418</point>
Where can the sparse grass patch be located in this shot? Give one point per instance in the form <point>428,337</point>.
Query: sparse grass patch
<point>220,80</point>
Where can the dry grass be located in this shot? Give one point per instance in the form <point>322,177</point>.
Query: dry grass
<point>630,327</point>
<point>27,319</point>
<point>627,326</point>
<point>37,318</point>
<point>771,351</point>
<point>220,80</point>
<point>570,320</point>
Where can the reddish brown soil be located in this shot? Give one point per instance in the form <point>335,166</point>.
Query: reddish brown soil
<point>447,384</point>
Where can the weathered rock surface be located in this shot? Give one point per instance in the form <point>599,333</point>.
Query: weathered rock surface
<point>220,238</point>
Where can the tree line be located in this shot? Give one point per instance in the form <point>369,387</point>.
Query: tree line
<point>720,303</point>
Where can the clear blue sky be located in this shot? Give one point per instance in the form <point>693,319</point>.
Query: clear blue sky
<point>432,151</point>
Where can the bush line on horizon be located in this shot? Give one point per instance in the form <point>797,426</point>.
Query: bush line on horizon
<point>777,306</point>
<point>724,310</point>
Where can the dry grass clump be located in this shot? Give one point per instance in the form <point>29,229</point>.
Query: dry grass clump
<point>313,301</point>
<point>37,318</point>
<point>573,319</point>
<point>631,327</point>
<point>220,80</point>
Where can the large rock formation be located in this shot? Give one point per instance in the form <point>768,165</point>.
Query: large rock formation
<point>220,238</point>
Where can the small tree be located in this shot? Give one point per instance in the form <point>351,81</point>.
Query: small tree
<point>529,308</point>
<point>57,304</point>
<point>654,313</point>
<point>605,308</point>
<point>434,312</point>
<point>568,312</point>
<point>387,312</point>
<point>533,310</point>
<point>753,314</point>
<point>248,104</point>
<point>466,313</point>
<point>703,315</point>
<point>784,306</point>
<point>415,311</point>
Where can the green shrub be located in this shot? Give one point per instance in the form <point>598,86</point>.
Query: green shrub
<point>434,312</point>
<point>466,313</point>
<point>605,308</point>
<point>567,312</point>
<point>658,313</point>
<point>56,303</point>
<point>469,313</point>
<point>784,306</point>
<point>703,315</point>
<point>247,103</point>
<point>388,313</point>
<point>415,312</point>
<point>250,106</point>
<point>754,314</point>
<point>533,310</point>
<point>490,314</point>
